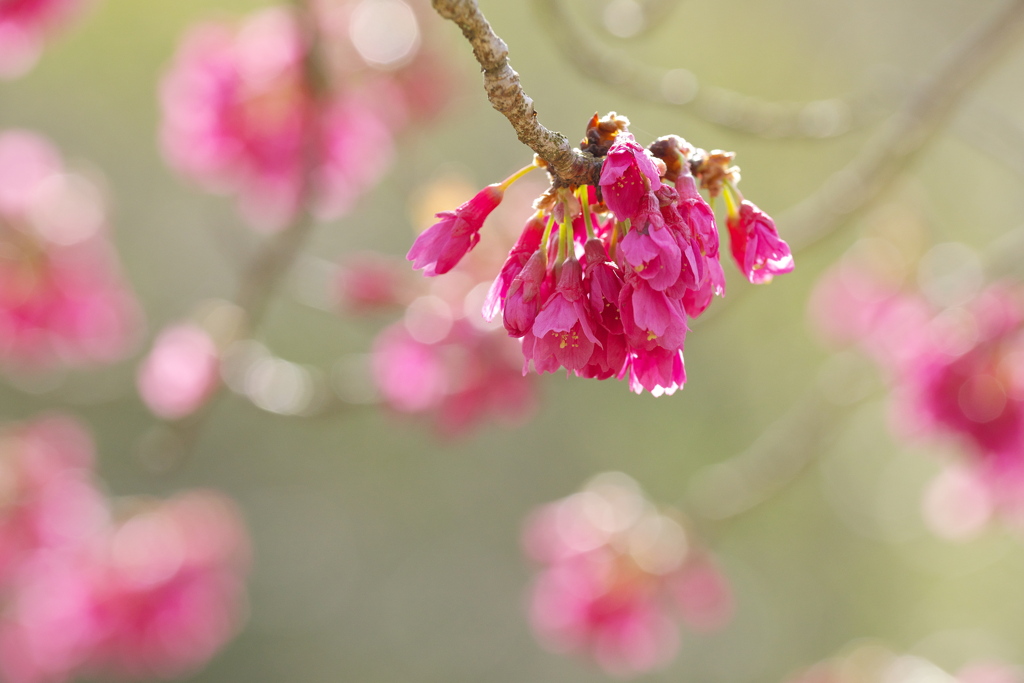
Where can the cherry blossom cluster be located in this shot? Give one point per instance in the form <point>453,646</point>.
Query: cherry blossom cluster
<point>24,27</point>
<point>440,360</point>
<point>618,574</point>
<point>130,588</point>
<point>62,298</point>
<point>870,662</point>
<point>957,373</point>
<point>291,118</point>
<point>604,278</point>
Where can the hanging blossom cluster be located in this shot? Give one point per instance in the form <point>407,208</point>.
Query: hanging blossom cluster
<point>62,299</point>
<point>290,118</point>
<point>874,663</point>
<point>603,279</point>
<point>618,573</point>
<point>129,588</point>
<point>25,25</point>
<point>957,373</point>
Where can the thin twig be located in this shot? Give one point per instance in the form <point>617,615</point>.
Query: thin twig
<point>922,116</point>
<point>680,88</point>
<point>784,450</point>
<point>264,273</point>
<point>910,128</point>
<point>506,95</point>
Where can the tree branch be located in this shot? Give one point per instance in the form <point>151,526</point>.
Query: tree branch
<point>908,130</point>
<point>679,87</point>
<point>506,95</point>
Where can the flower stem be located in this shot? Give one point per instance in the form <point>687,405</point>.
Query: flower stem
<point>583,192</point>
<point>516,176</point>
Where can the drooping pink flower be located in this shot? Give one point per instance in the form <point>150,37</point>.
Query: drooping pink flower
<point>525,295</point>
<point>180,372</point>
<point>62,300</point>
<point>563,329</point>
<point>440,247</point>
<point>756,246</point>
<point>618,574</point>
<point>525,247</point>
<point>25,25</point>
<point>629,177</point>
<point>239,116</point>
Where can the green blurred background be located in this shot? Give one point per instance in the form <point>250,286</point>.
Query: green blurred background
<point>383,554</point>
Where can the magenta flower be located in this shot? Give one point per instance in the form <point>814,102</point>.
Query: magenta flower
<point>654,255</point>
<point>527,244</point>
<point>617,577</point>
<point>525,296</point>
<point>563,329</point>
<point>440,247</point>
<point>756,246</point>
<point>629,176</point>
<point>658,370</point>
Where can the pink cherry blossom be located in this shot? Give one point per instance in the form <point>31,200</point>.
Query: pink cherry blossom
<point>368,282</point>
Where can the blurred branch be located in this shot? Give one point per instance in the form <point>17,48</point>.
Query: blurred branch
<point>263,274</point>
<point>506,95</point>
<point>907,131</point>
<point>679,87</point>
<point>922,115</point>
<point>784,450</point>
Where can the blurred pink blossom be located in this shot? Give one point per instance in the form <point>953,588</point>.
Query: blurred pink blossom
<point>180,372</point>
<point>451,370</point>
<point>956,374</point>
<point>62,300</point>
<point>47,499</point>
<point>613,568</point>
<point>24,25</point>
<point>155,593</point>
<point>168,591</point>
<point>241,117</point>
